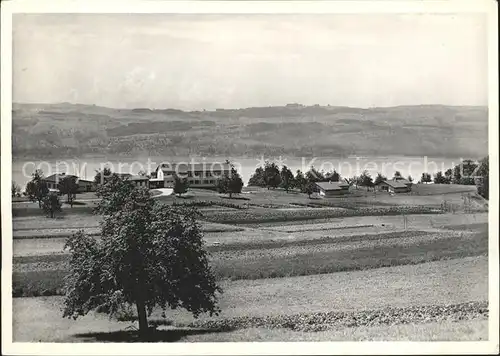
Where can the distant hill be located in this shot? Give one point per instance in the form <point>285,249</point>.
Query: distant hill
<point>59,130</point>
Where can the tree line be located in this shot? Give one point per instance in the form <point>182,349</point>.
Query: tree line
<point>37,191</point>
<point>466,173</point>
<point>271,176</point>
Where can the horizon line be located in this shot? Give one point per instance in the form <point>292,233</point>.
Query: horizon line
<point>248,107</point>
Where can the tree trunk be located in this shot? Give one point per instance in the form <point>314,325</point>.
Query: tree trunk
<point>230,195</point>
<point>143,319</point>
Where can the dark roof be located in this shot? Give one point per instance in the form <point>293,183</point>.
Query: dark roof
<point>394,184</point>
<point>331,185</point>
<point>129,176</point>
<point>85,180</point>
<point>123,175</point>
<point>58,177</point>
<point>196,167</point>
<point>138,178</point>
<point>401,180</point>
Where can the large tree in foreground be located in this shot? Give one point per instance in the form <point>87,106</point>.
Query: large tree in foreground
<point>149,255</point>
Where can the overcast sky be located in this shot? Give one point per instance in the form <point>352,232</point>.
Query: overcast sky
<point>228,61</point>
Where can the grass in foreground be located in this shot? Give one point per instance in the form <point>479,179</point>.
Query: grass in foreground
<point>309,324</point>
<point>435,283</point>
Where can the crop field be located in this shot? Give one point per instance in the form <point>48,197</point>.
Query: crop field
<point>434,284</point>
<point>41,275</point>
<point>289,266</point>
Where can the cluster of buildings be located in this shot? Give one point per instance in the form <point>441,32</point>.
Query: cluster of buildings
<point>394,185</point>
<point>205,175</point>
<point>198,175</point>
<point>52,182</point>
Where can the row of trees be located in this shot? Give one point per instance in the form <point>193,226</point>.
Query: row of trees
<point>466,173</point>
<point>271,176</point>
<point>463,173</point>
<point>38,191</point>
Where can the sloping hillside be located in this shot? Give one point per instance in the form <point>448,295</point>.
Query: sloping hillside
<point>57,130</point>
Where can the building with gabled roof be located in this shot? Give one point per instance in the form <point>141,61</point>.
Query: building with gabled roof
<point>328,189</point>
<point>54,180</point>
<point>198,175</point>
<point>394,186</point>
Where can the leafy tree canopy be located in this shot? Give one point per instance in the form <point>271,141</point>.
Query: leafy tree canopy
<point>180,185</point>
<point>68,186</point>
<point>51,204</point>
<point>313,175</point>
<point>426,178</point>
<point>231,183</point>
<point>148,255</point>
<point>287,178</point>
<point>272,177</point>
<point>36,188</point>
<point>257,179</point>
<point>379,179</point>
<point>102,176</point>
<point>332,176</point>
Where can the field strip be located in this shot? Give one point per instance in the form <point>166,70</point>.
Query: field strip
<point>298,228</point>
<point>15,228</point>
<point>470,330</point>
<point>321,321</point>
<point>413,221</point>
<point>435,283</point>
<point>47,232</point>
<point>44,275</point>
<point>53,233</point>
<point>227,240</point>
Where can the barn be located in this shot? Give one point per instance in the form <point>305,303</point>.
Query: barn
<point>329,189</point>
<point>393,186</point>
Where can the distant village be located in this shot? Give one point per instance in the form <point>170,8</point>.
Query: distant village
<point>207,175</point>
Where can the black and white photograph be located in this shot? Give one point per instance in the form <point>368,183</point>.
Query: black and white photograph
<point>211,173</point>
